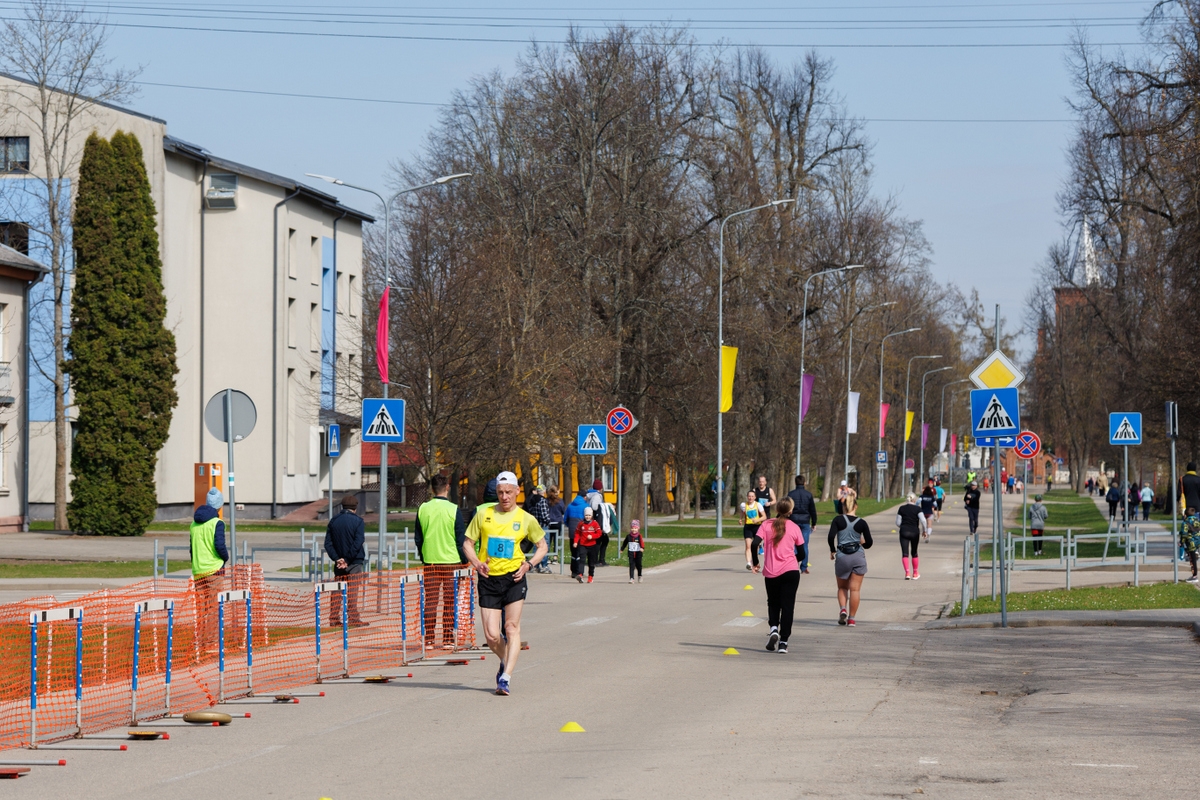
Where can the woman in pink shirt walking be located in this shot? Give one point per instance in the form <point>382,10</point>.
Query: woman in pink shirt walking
<point>783,551</point>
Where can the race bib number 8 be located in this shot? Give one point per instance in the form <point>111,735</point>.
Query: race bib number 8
<point>501,548</point>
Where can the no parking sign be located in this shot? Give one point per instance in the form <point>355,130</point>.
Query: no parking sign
<point>1028,445</point>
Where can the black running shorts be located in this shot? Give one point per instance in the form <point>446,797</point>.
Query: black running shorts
<point>498,591</point>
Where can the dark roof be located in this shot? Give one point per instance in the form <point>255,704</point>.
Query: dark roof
<point>14,258</point>
<point>122,109</point>
<point>324,199</point>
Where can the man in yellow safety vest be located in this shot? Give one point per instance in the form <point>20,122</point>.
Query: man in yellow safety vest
<point>207,542</point>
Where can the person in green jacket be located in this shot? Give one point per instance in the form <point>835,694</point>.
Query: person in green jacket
<point>441,531</point>
<point>207,542</point>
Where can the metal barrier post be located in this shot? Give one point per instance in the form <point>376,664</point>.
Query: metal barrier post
<point>962,608</point>
<point>421,590</point>
<point>317,613</point>
<point>1070,547</point>
<point>345,632</point>
<point>79,677</point>
<point>403,623</point>
<point>249,648</point>
<point>975,581</point>
<point>33,623</point>
<point>1137,548</point>
<point>455,610</point>
<point>137,637</point>
<point>170,646</point>
<point>221,647</point>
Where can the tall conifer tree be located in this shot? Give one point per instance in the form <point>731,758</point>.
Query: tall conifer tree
<point>122,357</point>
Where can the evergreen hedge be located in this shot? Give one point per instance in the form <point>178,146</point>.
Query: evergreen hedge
<point>121,359</point>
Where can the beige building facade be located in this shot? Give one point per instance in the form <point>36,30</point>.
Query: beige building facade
<point>263,281</point>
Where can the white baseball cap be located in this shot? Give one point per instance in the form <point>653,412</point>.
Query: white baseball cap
<point>844,483</point>
<point>507,477</point>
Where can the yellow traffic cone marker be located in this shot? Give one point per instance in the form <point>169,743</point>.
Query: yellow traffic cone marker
<point>572,727</point>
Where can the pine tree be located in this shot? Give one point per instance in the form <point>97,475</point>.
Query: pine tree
<point>122,357</point>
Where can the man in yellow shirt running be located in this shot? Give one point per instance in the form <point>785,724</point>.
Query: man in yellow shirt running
<point>498,531</point>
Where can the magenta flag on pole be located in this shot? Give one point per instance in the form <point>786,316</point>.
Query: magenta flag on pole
<point>806,387</point>
<point>924,434</point>
<point>953,444</point>
<point>883,409</point>
<point>381,337</point>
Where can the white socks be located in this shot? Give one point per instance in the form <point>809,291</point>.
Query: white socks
<point>505,677</point>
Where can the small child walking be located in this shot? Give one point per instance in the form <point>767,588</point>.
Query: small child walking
<point>1038,514</point>
<point>637,546</point>
<point>1189,540</point>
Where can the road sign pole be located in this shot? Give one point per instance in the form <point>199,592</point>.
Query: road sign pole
<point>620,470</point>
<point>1125,489</point>
<point>593,471</point>
<point>232,492</point>
<point>383,498</point>
<point>1174,518</point>
<point>999,539</point>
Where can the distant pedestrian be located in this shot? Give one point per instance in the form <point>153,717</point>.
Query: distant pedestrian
<point>1038,514</point>
<point>1089,484</point>
<point>1147,495</point>
<point>1189,487</point>
<point>971,503</point>
<point>1189,539</point>
<point>804,514</point>
<point>765,495</point>
<point>849,537</point>
<point>206,542</point>
<point>636,545</point>
<point>1049,482</point>
<point>940,495</point>
<point>783,549</point>
<point>928,506</point>
<point>558,518</point>
<point>1011,483</point>
<point>752,515</point>
<point>441,531</point>
<point>595,500</point>
<point>587,539</point>
<point>1114,499</point>
<point>345,542</point>
<point>575,514</point>
<point>842,493</point>
<point>911,524</point>
<point>537,506</point>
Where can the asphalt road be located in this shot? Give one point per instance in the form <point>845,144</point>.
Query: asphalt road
<point>884,709</point>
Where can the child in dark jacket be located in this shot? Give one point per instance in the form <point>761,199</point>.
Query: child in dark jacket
<point>637,546</point>
<point>587,540</point>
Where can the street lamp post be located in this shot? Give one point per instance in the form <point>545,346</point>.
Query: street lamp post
<point>923,377</point>
<point>879,470</point>
<point>387,279</point>
<point>942,422</point>
<point>849,369</point>
<point>721,343</point>
<point>803,342</point>
<point>904,446</point>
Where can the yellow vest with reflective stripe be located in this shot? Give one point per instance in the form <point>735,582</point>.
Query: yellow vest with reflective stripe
<point>205,560</point>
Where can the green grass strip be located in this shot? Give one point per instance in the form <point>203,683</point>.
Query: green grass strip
<point>1092,598</point>
<point>80,569</point>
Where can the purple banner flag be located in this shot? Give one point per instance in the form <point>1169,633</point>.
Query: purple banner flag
<point>806,388</point>
<point>924,434</point>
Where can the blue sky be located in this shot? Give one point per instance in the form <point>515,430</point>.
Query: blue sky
<point>984,190</point>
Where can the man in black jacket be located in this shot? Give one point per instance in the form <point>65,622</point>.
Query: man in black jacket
<point>1189,487</point>
<point>345,542</point>
<point>804,514</point>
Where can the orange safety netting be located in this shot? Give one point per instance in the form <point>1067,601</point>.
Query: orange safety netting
<point>385,629</point>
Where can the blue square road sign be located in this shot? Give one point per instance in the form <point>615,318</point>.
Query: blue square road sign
<point>333,441</point>
<point>995,412</point>
<point>383,420</point>
<point>593,440</point>
<point>1125,427</point>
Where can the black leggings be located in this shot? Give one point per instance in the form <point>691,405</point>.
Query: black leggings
<point>906,543</point>
<point>973,517</point>
<point>593,552</point>
<point>635,563</point>
<point>1112,508</point>
<point>781,601</point>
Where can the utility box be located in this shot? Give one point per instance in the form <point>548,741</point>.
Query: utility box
<point>208,476</point>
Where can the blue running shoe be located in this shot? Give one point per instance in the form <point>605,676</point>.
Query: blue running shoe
<point>499,672</point>
<point>502,687</point>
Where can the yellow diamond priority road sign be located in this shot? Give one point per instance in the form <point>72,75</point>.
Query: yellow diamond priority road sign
<point>997,372</point>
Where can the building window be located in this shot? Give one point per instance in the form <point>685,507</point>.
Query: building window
<point>290,409</point>
<point>608,477</point>
<point>222,191</point>
<point>14,153</point>
<point>3,455</point>
<point>291,322</point>
<point>353,298</point>
<point>16,236</point>
<point>4,320</point>
<point>314,327</point>
<point>314,260</point>
<point>341,293</point>
<point>292,255</point>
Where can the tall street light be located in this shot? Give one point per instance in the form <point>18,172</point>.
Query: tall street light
<point>882,342</point>
<point>942,413</point>
<point>721,344</point>
<point>387,279</point>
<point>952,396</point>
<point>849,366</point>
<point>923,377</point>
<point>803,338</point>
<point>904,447</point>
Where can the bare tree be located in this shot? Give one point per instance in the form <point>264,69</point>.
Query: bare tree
<point>59,52</point>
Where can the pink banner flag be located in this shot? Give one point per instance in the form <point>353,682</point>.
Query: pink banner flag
<point>806,387</point>
<point>382,343</point>
<point>883,409</point>
<point>953,444</point>
<point>924,434</point>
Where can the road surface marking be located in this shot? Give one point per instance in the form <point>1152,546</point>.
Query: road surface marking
<point>743,622</point>
<point>593,621</point>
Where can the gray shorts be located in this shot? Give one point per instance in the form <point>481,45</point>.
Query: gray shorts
<point>846,565</point>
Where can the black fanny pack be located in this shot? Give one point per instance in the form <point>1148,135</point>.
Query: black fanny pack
<point>849,549</point>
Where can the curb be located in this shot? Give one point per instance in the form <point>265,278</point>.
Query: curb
<point>1024,619</point>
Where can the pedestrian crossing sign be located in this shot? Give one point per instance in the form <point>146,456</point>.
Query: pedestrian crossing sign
<point>383,420</point>
<point>995,412</point>
<point>1125,427</point>
<point>593,440</point>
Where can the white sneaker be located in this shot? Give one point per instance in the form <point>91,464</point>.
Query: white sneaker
<point>631,580</point>
<point>639,578</point>
<point>773,638</point>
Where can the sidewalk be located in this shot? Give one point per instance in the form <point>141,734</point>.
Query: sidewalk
<point>1138,618</point>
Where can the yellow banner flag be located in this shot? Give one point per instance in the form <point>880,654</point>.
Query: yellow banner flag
<point>908,420</point>
<point>728,366</point>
